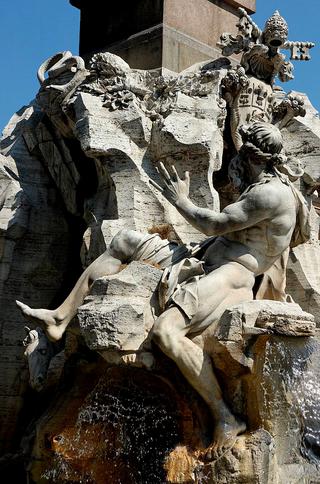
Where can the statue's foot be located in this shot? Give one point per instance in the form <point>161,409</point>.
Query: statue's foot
<point>45,318</point>
<point>224,438</point>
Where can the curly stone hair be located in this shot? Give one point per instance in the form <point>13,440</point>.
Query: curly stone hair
<point>262,143</point>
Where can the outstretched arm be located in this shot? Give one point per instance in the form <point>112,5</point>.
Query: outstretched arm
<point>253,208</point>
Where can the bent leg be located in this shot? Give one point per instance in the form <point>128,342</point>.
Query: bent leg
<point>169,333</point>
<point>56,321</point>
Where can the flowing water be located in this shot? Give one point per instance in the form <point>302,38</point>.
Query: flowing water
<point>123,433</point>
<point>292,392</point>
<point>129,424</point>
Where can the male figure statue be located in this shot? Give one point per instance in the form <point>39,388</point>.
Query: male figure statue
<point>250,235</point>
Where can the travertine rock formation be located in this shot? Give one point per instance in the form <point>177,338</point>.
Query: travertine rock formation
<point>75,168</point>
<point>117,320</point>
<point>37,254</point>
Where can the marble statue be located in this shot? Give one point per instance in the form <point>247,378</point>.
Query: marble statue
<point>249,88</point>
<point>249,236</point>
<point>261,49</point>
<point>185,349</point>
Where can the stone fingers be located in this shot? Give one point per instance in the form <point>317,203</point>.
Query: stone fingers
<point>174,172</point>
<point>163,171</point>
<point>155,185</point>
<point>187,179</point>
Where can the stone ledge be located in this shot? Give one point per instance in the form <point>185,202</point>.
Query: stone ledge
<point>249,5</point>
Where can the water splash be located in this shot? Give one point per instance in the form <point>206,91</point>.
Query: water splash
<point>123,433</point>
<point>292,369</point>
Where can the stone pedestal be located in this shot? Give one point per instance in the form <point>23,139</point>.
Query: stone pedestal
<point>149,34</point>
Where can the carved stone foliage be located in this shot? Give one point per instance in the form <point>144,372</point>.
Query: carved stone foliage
<point>111,78</point>
<point>165,90</point>
<point>290,107</point>
<point>156,94</point>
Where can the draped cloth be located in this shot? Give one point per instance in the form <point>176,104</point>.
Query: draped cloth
<point>273,283</point>
<point>302,231</point>
<point>180,265</point>
<point>159,252</point>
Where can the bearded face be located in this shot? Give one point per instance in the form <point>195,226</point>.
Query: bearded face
<point>243,171</point>
<point>237,173</point>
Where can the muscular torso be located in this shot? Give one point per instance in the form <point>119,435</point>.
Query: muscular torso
<point>258,246</point>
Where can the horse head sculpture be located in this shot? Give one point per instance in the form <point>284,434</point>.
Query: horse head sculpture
<point>39,352</point>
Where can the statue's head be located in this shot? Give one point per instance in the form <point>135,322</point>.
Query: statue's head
<point>38,351</point>
<point>276,31</point>
<point>261,151</point>
<point>262,144</point>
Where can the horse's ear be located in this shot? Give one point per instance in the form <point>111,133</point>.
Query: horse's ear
<point>26,341</point>
<point>30,336</point>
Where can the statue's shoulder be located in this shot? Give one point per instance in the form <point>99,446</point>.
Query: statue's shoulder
<point>268,194</point>
<point>279,196</point>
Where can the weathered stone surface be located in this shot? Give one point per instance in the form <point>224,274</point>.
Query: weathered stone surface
<point>85,160</point>
<point>303,282</point>
<point>277,316</point>
<point>308,151</point>
<point>294,327</point>
<point>251,460</point>
<point>113,325</point>
<point>137,279</point>
<point>36,245</point>
<point>119,317</point>
<point>229,340</point>
<point>177,119</point>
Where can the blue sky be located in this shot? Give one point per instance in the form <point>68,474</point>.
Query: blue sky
<point>33,30</point>
<point>303,19</point>
<point>30,32</point>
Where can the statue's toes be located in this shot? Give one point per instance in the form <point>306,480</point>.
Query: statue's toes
<point>27,311</point>
<point>219,453</point>
<point>24,308</point>
<point>224,449</point>
<point>209,454</point>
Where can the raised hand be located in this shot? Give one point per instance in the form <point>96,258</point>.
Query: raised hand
<point>174,189</point>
